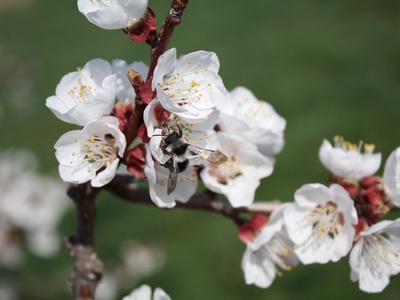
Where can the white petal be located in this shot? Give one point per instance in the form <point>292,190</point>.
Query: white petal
<point>76,174</point>
<point>106,175</point>
<point>164,65</point>
<point>266,234</point>
<point>355,260</point>
<point>391,176</point>
<point>158,179</point>
<point>198,60</point>
<point>67,146</point>
<point>258,270</point>
<point>312,195</point>
<point>141,293</point>
<point>298,227</point>
<point>114,16</point>
<point>159,294</point>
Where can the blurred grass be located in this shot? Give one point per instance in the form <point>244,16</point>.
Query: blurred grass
<point>328,67</point>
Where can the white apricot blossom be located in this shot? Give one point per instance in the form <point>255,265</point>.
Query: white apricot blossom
<point>320,223</point>
<point>35,205</point>
<point>239,177</point>
<point>255,120</point>
<point>269,252</point>
<point>91,154</point>
<point>391,176</point>
<point>31,205</point>
<point>346,160</point>
<point>158,177</point>
<point>375,257</point>
<point>86,94</point>
<point>113,14</point>
<point>144,293</point>
<point>189,86</point>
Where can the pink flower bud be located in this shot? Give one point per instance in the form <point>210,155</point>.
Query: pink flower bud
<point>258,221</point>
<point>247,233</point>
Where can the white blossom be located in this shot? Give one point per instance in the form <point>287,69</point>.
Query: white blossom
<point>91,154</point>
<point>240,176</point>
<point>256,121</point>
<point>190,86</point>
<point>270,252</point>
<point>85,95</point>
<point>35,204</point>
<point>320,223</point>
<point>113,14</point>
<point>31,206</point>
<point>391,177</point>
<point>346,160</point>
<point>144,293</point>
<point>375,257</point>
<point>139,260</point>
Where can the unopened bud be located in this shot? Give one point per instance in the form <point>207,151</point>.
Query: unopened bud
<point>135,79</point>
<point>247,233</point>
<point>258,221</point>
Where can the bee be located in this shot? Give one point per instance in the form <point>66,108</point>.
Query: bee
<point>181,151</point>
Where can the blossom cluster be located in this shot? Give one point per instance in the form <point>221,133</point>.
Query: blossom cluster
<point>31,205</point>
<point>325,223</point>
<point>192,128</point>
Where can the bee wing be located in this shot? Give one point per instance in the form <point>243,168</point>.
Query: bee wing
<point>173,175</point>
<point>213,157</point>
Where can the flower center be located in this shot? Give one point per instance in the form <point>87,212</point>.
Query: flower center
<point>326,221</point>
<point>183,91</point>
<point>228,170</point>
<point>254,112</point>
<point>85,91</point>
<point>340,142</point>
<point>97,151</point>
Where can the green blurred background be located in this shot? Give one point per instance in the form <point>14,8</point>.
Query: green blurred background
<point>328,67</point>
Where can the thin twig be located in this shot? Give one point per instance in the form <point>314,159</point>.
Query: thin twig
<point>205,201</point>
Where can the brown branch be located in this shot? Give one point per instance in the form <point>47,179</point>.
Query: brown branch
<point>172,19</point>
<point>87,270</point>
<point>205,201</point>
